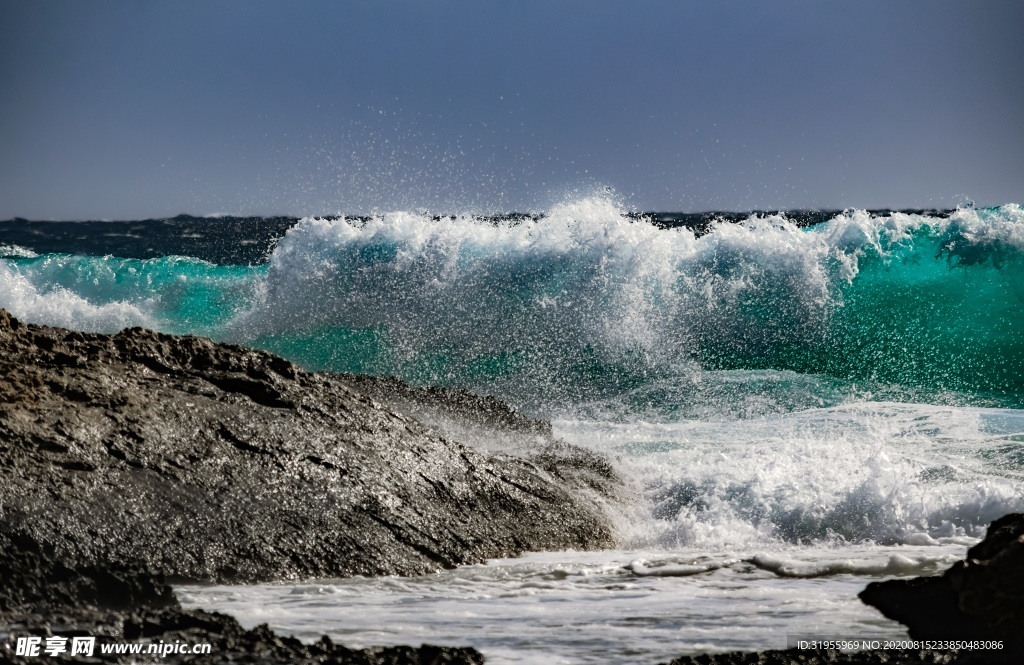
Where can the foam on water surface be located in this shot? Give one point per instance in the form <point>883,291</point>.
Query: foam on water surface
<point>16,251</point>
<point>861,471</point>
<point>594,607</point>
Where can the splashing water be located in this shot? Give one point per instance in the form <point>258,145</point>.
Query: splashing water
<point>820,404</point>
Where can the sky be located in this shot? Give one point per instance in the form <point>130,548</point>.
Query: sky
<point>127,110</point>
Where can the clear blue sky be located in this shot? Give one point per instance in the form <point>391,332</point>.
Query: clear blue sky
<point>114,109</point>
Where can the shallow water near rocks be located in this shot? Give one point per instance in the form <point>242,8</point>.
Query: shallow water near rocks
<point>593,607</point>
<point>735,534</point>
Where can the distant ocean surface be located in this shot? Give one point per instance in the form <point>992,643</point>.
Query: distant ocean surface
<point>801,401</point>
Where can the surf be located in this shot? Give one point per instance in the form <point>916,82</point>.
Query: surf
<point>588,300</point>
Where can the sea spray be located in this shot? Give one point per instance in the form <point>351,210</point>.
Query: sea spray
<point>863,471</point>
<point>588,301</point>
<point>760,381</point>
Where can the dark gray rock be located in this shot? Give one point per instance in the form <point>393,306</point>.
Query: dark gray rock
<point>449,409</point>
<point>487,423</point>
<point>228,642</point>
<point>32,582</point>
<point>137,458</point>
<point>123,604</point>
<point>979,598</point>
<point>212,462</point>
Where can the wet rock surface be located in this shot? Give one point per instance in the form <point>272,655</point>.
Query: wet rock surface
<point>139,459</point>
<point>979,599</point>
<point>228,642</point>
<point>124,605</point>
<point>488,423</point>
<point>213,462</point>
<point>449,409</point>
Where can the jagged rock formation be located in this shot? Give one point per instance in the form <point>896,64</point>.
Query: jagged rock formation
<point>137,458</point>
<point>205,461</point>
<point>979,598</point>
<point>450,409</point>
<point>488,423</point>
<point>120,605</point>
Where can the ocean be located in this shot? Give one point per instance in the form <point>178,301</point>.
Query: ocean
<point>800,402</point>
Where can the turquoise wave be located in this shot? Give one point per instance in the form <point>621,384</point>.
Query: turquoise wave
<point>920,316</point>
<point>173,294</point>
<point>588,302</point>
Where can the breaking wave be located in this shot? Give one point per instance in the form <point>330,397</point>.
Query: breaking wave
<point>762,380</point>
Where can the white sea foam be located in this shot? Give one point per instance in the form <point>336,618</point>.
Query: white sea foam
<point>868,471</point>
<point>592,607</point>
<point>643,568</point>
<point>467,284</point>
<point>585,273</point>
<point>16,251</point>
<point>894,564</point>
<point>52,304</point>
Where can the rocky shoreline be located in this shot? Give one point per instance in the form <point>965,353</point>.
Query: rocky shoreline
<point>215,463</point>
<point>979,599</point>
<point>119,604</point>
<point>138,460</point>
